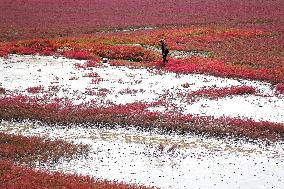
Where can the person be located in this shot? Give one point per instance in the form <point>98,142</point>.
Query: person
<point>165,51</point>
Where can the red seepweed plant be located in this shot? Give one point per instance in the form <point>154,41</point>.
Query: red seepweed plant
<point>28,150</point>
<point>36,89</point>
<point>241,52</point>
<point>219,68</point>
<point>214,93</point>
<point>15,149</point>
<point>279,89</point>
<point>13,176</point>
<point>136,114</point>
<point>79,54</point>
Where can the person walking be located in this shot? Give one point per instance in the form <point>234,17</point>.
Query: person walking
<point>165,51</point>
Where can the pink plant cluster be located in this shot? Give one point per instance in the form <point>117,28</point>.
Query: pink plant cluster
<point>97,80</point>
<point>31,149</point>
<point>219,68</point>
<point>51,18</point>
<point>17,149</point>
<point>214,93</point>
<point>89,65</point>
<point>279,88</point>
<point>36,89</point>
<point>135,114</point>
<point>14,176</point>
<point>92,74</point>
<point>126,52</point>
<point>79,55</point>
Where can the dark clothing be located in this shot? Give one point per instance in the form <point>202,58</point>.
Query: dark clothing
<point>165,52</point>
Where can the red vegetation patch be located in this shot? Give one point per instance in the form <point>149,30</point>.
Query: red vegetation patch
<point>97,80</point>
<point>92,63</point>
<point>16,177</point>
<point>228,35</point>
<point>54,88</point>
<point>244,52</point>
<point>214,93</point>
<point>219,68</point>
<point>79,55</point>
<point>64,17</point>
<point>92,74</point>
<point>279,88</point>
<point>36,89</point>
<point>89,64</point>
<point>4,53</point>
<point>126,52</point>
<point>21,107</point>
<point>23,149</point>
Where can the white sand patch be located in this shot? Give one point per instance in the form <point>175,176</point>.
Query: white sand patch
<point>122,85</point>
<point>258,107</point>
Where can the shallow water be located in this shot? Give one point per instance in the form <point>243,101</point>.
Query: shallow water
<point>166,161</point>
<point>124,85</point>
